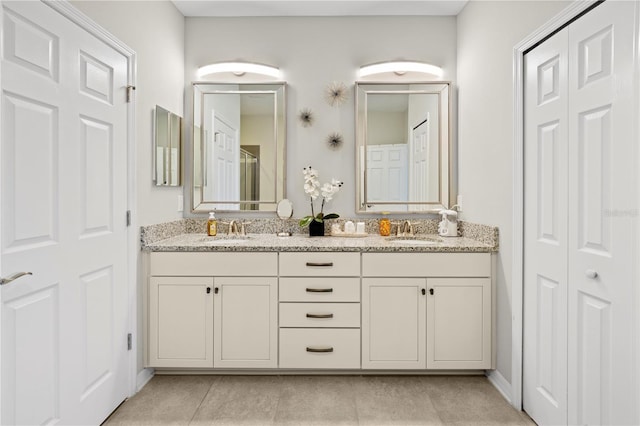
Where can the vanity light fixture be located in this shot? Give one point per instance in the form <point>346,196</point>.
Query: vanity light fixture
<point>239,69</point>
<point>400,68</point>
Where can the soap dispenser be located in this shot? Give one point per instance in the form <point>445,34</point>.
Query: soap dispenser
<point>384,225</point>
<point>448,226</point>
<point>212,225</point>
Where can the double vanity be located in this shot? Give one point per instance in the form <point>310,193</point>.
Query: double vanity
<point>263,302</point>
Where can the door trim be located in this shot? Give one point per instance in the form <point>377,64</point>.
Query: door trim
<point>66,9</point>
<point>517,276</point>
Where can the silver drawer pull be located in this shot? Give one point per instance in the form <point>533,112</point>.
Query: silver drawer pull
<point>319,315</point>
<point>320,264</point>
<point>319,350</point>
<point>13,277</point>
<point>319,290</point>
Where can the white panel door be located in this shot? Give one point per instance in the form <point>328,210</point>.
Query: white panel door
<point>545,248</point>
<point>602,247</point>
<point>424,183</point>
<point>64,198</point>
<point>597,181</point>
<point>226,157</point>
<point>245,322</point>
<point>387,174</point>
<point>393,323</point>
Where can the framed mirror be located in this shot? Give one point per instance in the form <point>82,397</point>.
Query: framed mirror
<point>167,146</point>
<point>238,146</point>
<point>403,143</point>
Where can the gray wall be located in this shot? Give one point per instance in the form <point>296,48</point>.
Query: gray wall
<point>312,52</point>
<point>487,34</point>
<point>155,31</point>
<point>475,50</point>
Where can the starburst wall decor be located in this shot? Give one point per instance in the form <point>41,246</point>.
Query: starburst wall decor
<point>334,140</point>
<point>336,94</point>
<point>306,117</point>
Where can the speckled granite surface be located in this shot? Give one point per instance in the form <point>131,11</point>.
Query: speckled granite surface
<point>303,243</point>
<point>189,235</point>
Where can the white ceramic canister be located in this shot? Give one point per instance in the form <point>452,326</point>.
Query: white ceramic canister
<point>349,227</point>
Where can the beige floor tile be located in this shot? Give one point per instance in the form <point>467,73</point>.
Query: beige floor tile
<point>469,400</point>
<point>240,400</point>
<point>166,400</point>
<point>393,401</point>
<point>317,400</point>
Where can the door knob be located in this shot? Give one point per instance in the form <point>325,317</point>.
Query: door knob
<point>590,273</point>
<point>13,277</point>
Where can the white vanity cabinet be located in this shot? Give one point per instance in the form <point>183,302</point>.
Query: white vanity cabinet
<point>213,310</point>
<point>245,312</point>
<point>320,310</point>
<point>180,324</point>
<point>393,323</point>
<point>458,323</point>
<point>426,310</point>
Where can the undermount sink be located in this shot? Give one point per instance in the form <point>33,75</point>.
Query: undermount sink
<point>415,240</point>
<point>224,240</point>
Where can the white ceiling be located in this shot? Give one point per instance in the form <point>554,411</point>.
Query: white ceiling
<point>318,7</point>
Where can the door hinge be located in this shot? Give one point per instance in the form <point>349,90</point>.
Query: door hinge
<point>130,89</point>
<point>129,342</point>
<point>128,217</point>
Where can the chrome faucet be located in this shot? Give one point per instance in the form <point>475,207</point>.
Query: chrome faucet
<point>233,228</point>
<point>237,228</point>
<point>406,229</point>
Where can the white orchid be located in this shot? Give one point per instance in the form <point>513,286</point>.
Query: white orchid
<point>313,189</point>
<point>330,189</point>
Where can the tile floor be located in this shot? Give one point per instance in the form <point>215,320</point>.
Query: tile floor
<point>318,400</point>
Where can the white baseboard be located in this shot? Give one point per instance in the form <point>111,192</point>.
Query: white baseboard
<point>143,378</point>
<point>500,383</point>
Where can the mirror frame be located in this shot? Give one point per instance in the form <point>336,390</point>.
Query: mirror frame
<point>198,204</point>
<point>443,90</point>
<point>172,135</point>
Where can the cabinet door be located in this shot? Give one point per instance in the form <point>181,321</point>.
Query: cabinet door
<point>181,322</point>
<point>393,323</point>
<point>459,323</point>
<point>246,322</point>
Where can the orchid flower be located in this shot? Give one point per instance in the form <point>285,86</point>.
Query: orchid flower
<point>313,189</point>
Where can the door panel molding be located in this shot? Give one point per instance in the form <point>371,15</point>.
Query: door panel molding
<point>65,12</point>
<point>571,12</point>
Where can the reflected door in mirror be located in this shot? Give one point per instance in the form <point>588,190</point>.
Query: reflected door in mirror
<point>402,132</point>
<point>238,147</point>
<point>222,156</point>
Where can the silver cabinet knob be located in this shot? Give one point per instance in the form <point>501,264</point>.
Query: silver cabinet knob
<point>590,273</point>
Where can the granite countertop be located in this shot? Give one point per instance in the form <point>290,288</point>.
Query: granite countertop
<point>303,243</point>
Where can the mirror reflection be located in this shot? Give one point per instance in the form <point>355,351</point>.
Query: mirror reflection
<point>403,146</point>
<point>168,131</point>
<point>238,146</point>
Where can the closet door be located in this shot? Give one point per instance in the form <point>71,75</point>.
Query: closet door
<point>545,248</point>
<point>602,198</point>
<point>581,204</point>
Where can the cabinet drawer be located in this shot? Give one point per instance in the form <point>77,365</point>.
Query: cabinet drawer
<point>319,315</point>
<point>320,264</point>
<point>426,264</point>
<point>319,289</point>
<point>214,264</point>
<point>319,348</point>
